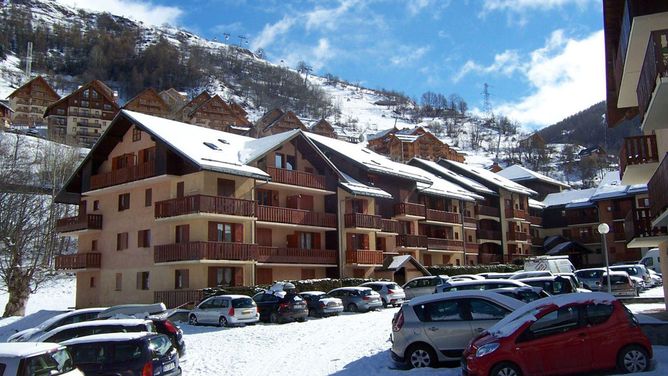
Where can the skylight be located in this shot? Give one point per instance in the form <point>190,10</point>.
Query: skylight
<point>212,146</point>
<point>223,141</point>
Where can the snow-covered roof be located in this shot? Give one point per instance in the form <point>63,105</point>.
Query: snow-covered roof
<point>567,197</point>
<point>606,192</point>
<point>518,173</point>
<point>355,187</point>
<point>536,204</point>
<point>454,177</point>
<point>491,177</point>
<point>406,137</point>
<point>107,337</point>
<point>445,188</point>
<point>399,261</point>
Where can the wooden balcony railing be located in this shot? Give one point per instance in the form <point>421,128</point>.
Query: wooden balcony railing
<point>638,224</point>
<point>472,248</point>
<point>178,298</point>
<point>536,220</point>
<point>576,218</point>
<point>300,178</point>
<point>80,222</point>
<point>517,236</point>
<point>516,213</point>
<point>204,204</point>
<point>192,251</point>
<point>446,244</point>
<point>489,234</point>
<point>86,260</point>
<point>296,255</point>
<point>471,222</point>
<point>655,65</point>
<point>123,175</point>
<point>637,150</point>
<point>443,216</point>
<point>412,241</point>
<point>353,220</point>
<point>364,257</point>
<point>389,225</point>
<point>489,211</point>
<point>656,187</point>
<point>295,216</point>
<point>407,208</point>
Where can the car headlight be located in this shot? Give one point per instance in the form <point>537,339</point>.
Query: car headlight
<point>486,349</point>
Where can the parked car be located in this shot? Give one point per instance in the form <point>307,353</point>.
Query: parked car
<point>531,273</point>
<point>171,330</point>
<point>69,317</point>
<point>652,260</point>
<point>553,285</point>
<point>485,284</point>
<point>225,310</point>
<point>466,277</point>
<point>423,285</point>
<point>568,334</point>
<point>88,328</point>
<point>279,307</point>
<point>496,275</point>
<point>136,310</point>
<point>320,304</point>
<point>590,278</point>
<point>125,354</point>
<point>31,358</point>
<point>575,281</point>
<point>390,293</point>
<point>637,272</point>
<point>357,299</point>
<point>621,284</point>
<point>435,328</point>
<point>657,278</point>
<point>525,293</point>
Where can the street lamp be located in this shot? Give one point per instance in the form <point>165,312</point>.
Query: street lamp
<point>603,229</point>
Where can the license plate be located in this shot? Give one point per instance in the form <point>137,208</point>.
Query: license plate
<point>168,367</point>
<point>247,312</point>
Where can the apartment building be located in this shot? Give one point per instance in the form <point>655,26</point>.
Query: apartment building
<point>636,52</point>
<point>149,102</point>
<point>276,121</point>
<point>402,145</point>
<point>174,100</point>
<point>30,101</point>
<point>83,115</point>
<point>541,184</point>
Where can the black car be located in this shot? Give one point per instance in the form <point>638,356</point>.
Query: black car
<point>171,330</point>
<point>125,354</point>
<point>279,307</point>
<point>553,285</point>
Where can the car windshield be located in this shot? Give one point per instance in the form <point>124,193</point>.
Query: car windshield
<point>51,363</point>
<point>243,303</point>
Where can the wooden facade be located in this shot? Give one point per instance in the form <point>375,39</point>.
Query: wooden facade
<point>403,145</point>
<point>323,128</point>
<point>30,101</point>
<point>276,121</point>
<point>5,114</point>
<point>149,102</point>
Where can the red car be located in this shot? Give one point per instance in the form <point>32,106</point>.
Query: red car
<point>558,335</point>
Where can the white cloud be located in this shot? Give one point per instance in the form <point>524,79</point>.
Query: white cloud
<point>505,63</point>
<point>408,55</point>
<point>322,18</point>
<point>146,12</point>
<point>270,32</point>
<point>416,6</point>
<point>519,6</point>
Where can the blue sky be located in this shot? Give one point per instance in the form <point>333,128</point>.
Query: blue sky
<point>543,59</point>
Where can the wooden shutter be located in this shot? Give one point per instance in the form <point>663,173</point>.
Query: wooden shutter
<point>263,276</point>
<point>238,235</point>
<point>274,198</point>
<point>211,276</point>
<point>349,206</point>
<point>238,276</point>
<point>350,242</point>
<point>213,232</point>
<point>292,202</point>
<point>316,241</point>
<point>293,240</point>
<point>264,237</point>
<point>365,241</point>
<point>180,189</point>
<point>306,203</point>
<point>427,260</point>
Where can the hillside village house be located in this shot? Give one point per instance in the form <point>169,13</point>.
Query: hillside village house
<point>30,101</point>
<point>402,145</point>
<point>174,100</point>
<point>323,128</point>
<point>149,102</point>
<point>5,114</point>
<point>636,45</point>
<point>276,121</point>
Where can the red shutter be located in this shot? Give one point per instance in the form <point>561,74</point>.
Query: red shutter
<point>365,241</point>
<point>264,237</point>
<point>349,206</point>
<point>211,276</point>
<point>186,278</point>
<point>238,233</point>
<point>316,241</point>
<point>427,260</point>
<point>306,203</point>
<point>213,234</point>
<point>350,243</point>
<point>238,276</point>
<point>292,202</point>
<point>292,240</point>
<point>186,234</point>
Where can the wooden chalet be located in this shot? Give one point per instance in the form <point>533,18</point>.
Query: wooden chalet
<point>149,102</point>
<point>184,111</point>
<point>30,101</point>
<point>402,145</point>
<point>5,114</point>
<point>276,121</point>
<point>174,99</point>
<point>323,128</point>
<point>215,113</point>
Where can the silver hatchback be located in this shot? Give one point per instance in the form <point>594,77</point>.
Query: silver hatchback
<point>357,299</point>
<point>437,327</point>
<point>390,293</point>
<point>225,310</point>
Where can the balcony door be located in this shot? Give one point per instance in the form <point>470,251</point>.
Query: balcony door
<point>224,276</point>
<point>226,187</point>
<point>225,232</point>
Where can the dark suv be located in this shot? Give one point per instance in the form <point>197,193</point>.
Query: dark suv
<point>125,354</point>
<point>279,307</point>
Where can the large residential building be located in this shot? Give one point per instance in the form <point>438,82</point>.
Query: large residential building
<point>636,45</point>
<point>149,102</point>
<point>30,101</point>
<point>402,145</point>
<point>83,115</point>
<point>276,121</point>
<point>536,181</point>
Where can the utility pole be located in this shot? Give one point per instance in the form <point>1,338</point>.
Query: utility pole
<point>28,71</point>
<point>242,40</point>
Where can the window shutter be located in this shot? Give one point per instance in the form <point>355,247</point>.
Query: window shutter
<point>274,198</point>
<point>292,240</point>
<point>211,278</point>
<point>264,237</point>
<point>238,233</point>
<point>349,206</point>
<point>349,242</point>
<point>306,203</point>
<point>365,240</point>
<point>316,241</point>
<point>292,202</point>
<point>238,276</point>
<point>213,233</point>
<point>138,280</point>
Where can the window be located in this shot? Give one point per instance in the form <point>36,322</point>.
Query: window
<point>93,94</point>
<point>444,310</point>
<point>96,205</point>
<point>136,134</point>
<point>226,187</point>
<point>143,238</point>
<point>180,189</point>
<point>119,281</point>
<point>225,232</point>
<point>121,241</point>
<point>181,279</point>
<point>142,280</point>
<point>279,160</point>
<point>182,233</point>
<point>148,197</point>
<point>306,240</point>
<point>558,321</point>
<point>484,310</point>
<point>93,245</point>
<point>123,201</point>
<point>265,197</point>
<point>598,313</point>
<point>85,94</point>
<point>212,146</point>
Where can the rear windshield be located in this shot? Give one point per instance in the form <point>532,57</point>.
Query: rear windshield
<point>366,292</point>
<point>393,286</point>
<point>161,345</point>
<point>51,363</point>
<point>127,351</point>
<point>243,303</point>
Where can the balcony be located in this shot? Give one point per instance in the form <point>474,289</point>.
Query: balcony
<point>536,220</point>
<point>79,261</point>
<point>412,241</point>
<point>123,175</point>
<point>388,226</point>
<point>298,178</point>
<point>299,217</point>
<point>89,125</point>
<point>364,257</point>
<point>658,195</point>
<point>442,216</point>
<point>488,211</point>
<point>578,218</point>
<point>178,298</point>
<point>517,236</point>
<point>515,213</point>
<point>201,204</point>
<point>407,210</point>
<point>470,222</point>
<point>638,159</point>
<point>652,89</point>
<point>79,223</point>
<point>359,220</point>
<point>197,251</point>
<point>640,232</point>
<point>489,235</point>
<point>472,248</point>
<point>296,255</point>
<point>446,244</point>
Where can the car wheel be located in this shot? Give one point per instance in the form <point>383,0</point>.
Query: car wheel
<point>633,359</point>
<point>192,320</point>
<point>301,319</point>
<point>352,307</point>
<point>505,369</point>
<point>420,356</point>
<point>385,304</point>
<point>273,318</point>
<point>222,322</point>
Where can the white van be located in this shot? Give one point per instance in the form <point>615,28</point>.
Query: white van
<point>652,260</point>
<point>554,264</point>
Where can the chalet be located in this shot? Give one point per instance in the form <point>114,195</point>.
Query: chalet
<point>535,141</point>
<point>149,102</point>
<point>595,151</point>
<point>83,115</point>
<point>5,114</point>
<point>215,113</point>
<point>183,113</point>
<point>402,145</point>
<point>323,128</point>
<point>174,99</point>
<point>276,121</point>
<point>30,101</point>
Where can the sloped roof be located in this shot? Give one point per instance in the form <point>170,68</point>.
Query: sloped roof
<point>6,105</point>
<point>489,177</point>
<point>518,173</point>
<point>536,204</point>
<point>355,187</point>
<point>29,83</point>
<point>393,263</point>
<point>567,197</point>
<point>152,92</point>
<point>381,134</point>
<point>454,177</point>
<point>101,87</point>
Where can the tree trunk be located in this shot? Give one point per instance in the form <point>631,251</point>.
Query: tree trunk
<point>19,292</point>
